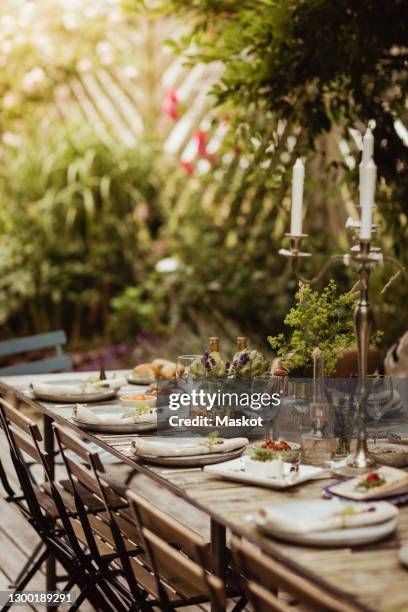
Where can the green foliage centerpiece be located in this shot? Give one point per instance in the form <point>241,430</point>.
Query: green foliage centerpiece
<point>323,320</point>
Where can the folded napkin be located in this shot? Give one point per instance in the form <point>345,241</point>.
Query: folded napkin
<point>111,383</point>
<point>325,515</point>
<point>85,388</point>
<point>85,415</point>
<point>60,389</point>
<point>185,447</point>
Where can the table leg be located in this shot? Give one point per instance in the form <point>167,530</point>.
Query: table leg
<point>50,571</point>
<point>219,557</point>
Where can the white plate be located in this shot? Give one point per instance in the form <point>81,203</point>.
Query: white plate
<point>403,555</point>
<point>235,470</point>
<point>340,537</point>
<point>354,536</point>
<point>98,396</point>
<point>192,460</point>
<point>113,428</point>
<point>139,381</point>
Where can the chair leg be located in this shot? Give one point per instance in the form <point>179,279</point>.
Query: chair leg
<point>111,596</point>
<point>130,476</point>
<point>92,592</point>
<point>27,565</point>
<point>240,605</point>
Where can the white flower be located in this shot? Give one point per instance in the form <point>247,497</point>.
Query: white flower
<point>104,47</point>
<point>115,15</point>
<point>6,47</point>
<point>107,59</point>
<point>33,79</point>
<point>168,264</point>
<point>62,92</point>
<point>26,14</point>
<point>84,65</point>
<point>8,24</point>
<point>11,139</point>
<point>42,41</point>
<point>20,39</point>
<point>69,21</point>
<point>130,72</point>
<point>10,99</point>
<point>92,12</point>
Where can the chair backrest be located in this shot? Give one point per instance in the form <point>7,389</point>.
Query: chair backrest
<point>83,469</point>
<point>263,575</point>
<point>50,340</point>
<point>167,528</point>
<point>173,567</point>
<point>23,437</point>
<point>109,527</point>
<point>264,600</point>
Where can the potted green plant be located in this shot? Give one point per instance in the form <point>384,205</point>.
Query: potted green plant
<point>319,320</point>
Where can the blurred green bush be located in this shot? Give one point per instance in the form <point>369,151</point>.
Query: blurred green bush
<point>78,221</point>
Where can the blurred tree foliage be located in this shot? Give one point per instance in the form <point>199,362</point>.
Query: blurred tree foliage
<point>85,225</point>
<point>43,44</point>
<point>316,63</point>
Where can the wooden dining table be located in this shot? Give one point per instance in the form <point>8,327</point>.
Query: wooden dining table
<point>368,577</point>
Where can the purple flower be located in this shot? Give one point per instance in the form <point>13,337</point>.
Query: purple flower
<point>243,359</point>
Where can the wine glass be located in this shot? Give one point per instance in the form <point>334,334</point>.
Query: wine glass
<point>269,385</point>
<point>183,365</point>
<point>379,397</point>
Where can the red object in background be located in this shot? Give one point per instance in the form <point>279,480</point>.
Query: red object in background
<point>170,106</point>
<point>201,139</point>
<point>187,167</point>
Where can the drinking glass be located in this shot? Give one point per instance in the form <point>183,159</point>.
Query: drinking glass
<point>269,385</point>
<point>183,365</point>
<point>379,397</point>
<point>342,397</point>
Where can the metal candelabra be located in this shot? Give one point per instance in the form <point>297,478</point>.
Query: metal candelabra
<point>364,257</point>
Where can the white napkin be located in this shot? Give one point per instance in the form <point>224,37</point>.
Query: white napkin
<point>324,515</point>
<point>85,388</point>
<point>111,383</point>
<point>50,389</point>
<point>185,448</point>
<point>85,415</point>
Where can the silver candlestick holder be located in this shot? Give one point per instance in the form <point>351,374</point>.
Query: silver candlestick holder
<point>363,257</point>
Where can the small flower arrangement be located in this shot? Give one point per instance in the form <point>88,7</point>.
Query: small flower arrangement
<point>245,364</point>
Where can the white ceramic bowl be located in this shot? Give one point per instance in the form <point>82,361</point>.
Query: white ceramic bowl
<point>135,403</point>
<point>395,455</point>
<point>264,469</point>
<point>288,456</point>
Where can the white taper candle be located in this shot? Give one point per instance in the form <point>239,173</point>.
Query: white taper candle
<point>298,178</point>
<point>367,192</point>
<point>368,146</point>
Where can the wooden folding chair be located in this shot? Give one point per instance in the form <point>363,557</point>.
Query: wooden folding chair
<point>264,577</point>
<point>179,558</point>
<point>95,529</point>
<point>38,507</point>
<point>189,580</point>
<point>124,534</point>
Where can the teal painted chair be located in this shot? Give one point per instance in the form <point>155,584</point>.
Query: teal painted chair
<point>54,363</point>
